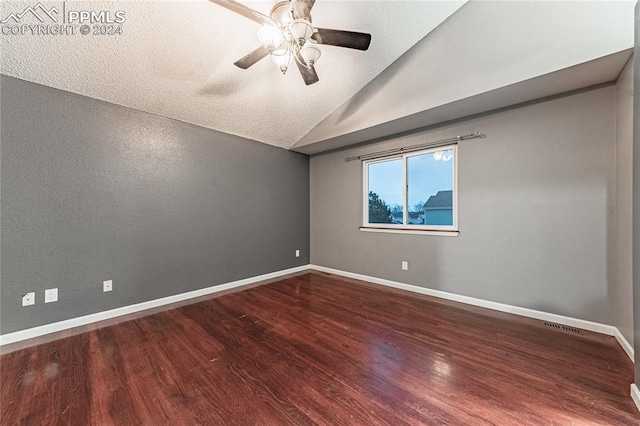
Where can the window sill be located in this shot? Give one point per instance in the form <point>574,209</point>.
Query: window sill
<point>411,231</point>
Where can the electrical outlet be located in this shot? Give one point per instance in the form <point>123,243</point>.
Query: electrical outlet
<point>297,253</point>
<point>107,285</point>
<point>29,299</point>
<point>51,295</point>
<point>405,265</point>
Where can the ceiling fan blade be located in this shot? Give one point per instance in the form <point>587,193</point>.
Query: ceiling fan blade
<point>251,58</point>
<point>301,8</point>
<point>342,38</point>
<point>309,75</point>
<point>245,11</point>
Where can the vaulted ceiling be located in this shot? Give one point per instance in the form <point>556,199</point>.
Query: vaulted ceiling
<point>429,61</point>
<point>488,55</point>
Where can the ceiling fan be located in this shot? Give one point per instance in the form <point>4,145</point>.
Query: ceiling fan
<point>288,35</point>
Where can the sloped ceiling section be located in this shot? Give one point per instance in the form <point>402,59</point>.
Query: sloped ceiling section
<point>488,55</point>
<point>175,58</point>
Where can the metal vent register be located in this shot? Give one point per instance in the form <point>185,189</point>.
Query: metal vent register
<point>563,327</point>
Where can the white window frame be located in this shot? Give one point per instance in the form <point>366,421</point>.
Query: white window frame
<point>405,228</point>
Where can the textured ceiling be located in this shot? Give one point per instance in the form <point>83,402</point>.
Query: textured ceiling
<point>175,58</point>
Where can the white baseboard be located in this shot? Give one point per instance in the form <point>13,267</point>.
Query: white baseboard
<point>635,395</point>
<point>624,343</point>
<point>42,330</point>
<point>21,335</point>
<point>525,312</point>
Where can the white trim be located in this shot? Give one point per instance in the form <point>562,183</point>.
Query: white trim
<point>624,343</point>
<point>525,312</point>
<point>405,190</point>
<point>365,183</point>
<point>413,232</point>
<point>635,395</point>
<point>42,330</point>
<point>455,189</point>
<point>405,187</point>
<point>30,333</point>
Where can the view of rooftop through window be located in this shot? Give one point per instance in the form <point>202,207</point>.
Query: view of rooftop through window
<point>430,184</point>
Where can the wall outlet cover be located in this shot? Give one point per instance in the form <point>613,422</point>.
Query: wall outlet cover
<point>297,253</point>
<point>405,265</point>
<point>107,285</point>
<point>29,299</point>
<point>51,295</point>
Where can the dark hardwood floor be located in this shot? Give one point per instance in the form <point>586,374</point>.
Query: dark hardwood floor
<point>319,349</point>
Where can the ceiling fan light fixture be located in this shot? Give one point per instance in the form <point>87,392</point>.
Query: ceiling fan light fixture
<point>281,13</point>
<point>301,30</point>
<point>271,38</point>
<point>282,60</point>
<point>287,32</point>
<point>310,54</point>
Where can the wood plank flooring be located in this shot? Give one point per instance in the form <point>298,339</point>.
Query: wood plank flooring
<point>320,349</point>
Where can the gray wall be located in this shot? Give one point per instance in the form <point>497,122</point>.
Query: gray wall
<point>622,244</point>
<point>534,200</point>
<point>92,191</point>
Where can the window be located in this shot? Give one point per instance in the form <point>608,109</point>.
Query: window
<point>414,191</point>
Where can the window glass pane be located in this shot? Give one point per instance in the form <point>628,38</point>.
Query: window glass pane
<point>385,191</point>
<point>430,192</point>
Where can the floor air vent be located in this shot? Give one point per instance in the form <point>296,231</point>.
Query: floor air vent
<point>563,327</point>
